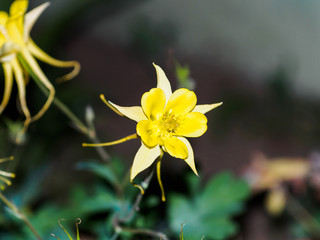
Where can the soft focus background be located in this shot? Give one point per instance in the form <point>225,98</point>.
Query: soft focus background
<point>261,58</point>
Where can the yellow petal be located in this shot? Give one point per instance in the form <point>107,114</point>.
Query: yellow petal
<point>143,159</point>
<point>193,124</point>
<point>14,31</point>
<point>135,113</point>
<point>17,10</point>
<point>8,79</point>
<point>163,82</point>
<point>204,108</point>
<point>3,18</point>
<point>31,17</point>
<point>175,147</point>
<point>181,102</point>
<point>153,102</point>
<point>3,31</point>
<point>190,159</point>
<point>147,131</point>
<point>38,53</point>
<point>18,7</point>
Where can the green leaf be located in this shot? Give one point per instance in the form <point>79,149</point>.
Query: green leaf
<point>208,213</point>
<point>100,200</point>
<point>102,170</point>
<point>219,188</point>
<point>193,182</point>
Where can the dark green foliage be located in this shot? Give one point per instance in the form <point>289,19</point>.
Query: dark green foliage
<point>209,211</point>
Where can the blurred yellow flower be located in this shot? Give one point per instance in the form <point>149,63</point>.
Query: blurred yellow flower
<point>276,201</point>
<point>271,174</point>
<point>18,53</point>
<point>264,173</point>
<point>163,121</point>
<point>5,175</point>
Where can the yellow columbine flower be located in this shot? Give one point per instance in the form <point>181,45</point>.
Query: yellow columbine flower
<point>163,121</point>
<point>17,50</point>
<point>5,175</point>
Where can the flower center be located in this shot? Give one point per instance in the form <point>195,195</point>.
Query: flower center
<point>167,125</point>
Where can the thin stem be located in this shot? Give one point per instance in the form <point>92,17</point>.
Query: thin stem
<point>135,206</point>
<point>20,215</point>
<point>89,132</point>
<point>78,123</point>
<point>82,127</point>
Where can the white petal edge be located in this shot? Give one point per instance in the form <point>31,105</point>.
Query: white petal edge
<point>163,82</point>
<point>31,17</point>
<point>143,159</point>
<point>135,113</point>
<point>190,159</point>
<point>204,108</point>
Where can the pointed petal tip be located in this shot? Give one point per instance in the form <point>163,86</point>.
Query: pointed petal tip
<point>218,104</point>
<point>107,102</point>
<point>31,17</point>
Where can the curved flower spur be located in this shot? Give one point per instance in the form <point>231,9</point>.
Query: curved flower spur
<point>5,175</point>
<point>18,53</point>
<point>163,121</point>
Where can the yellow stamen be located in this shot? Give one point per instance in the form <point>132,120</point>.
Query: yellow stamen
<point>110,106</point>
<point>133,136</point>
<point>163,197</point>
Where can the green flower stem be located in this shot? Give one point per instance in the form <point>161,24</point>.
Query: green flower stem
<point>89,132</point>
<point>20,215</point>
<point>135,207</point>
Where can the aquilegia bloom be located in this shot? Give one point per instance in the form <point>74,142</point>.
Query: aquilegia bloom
<point>18,53</point>
<point>163,121</point>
